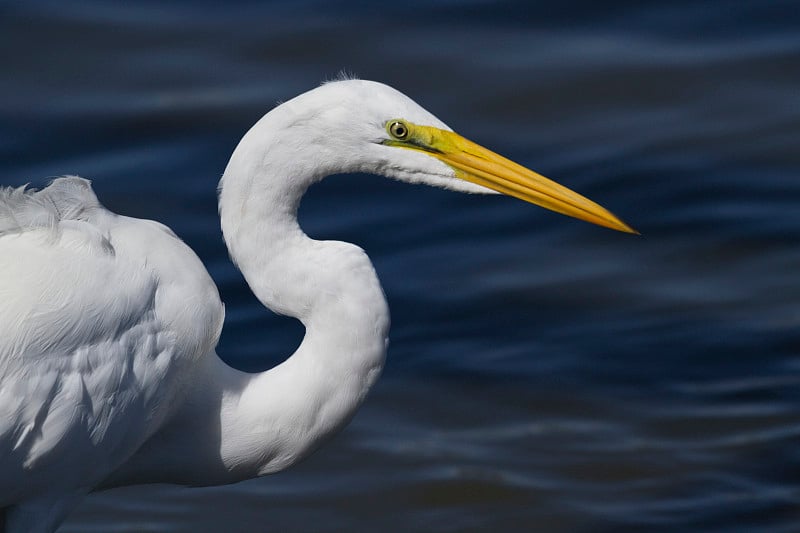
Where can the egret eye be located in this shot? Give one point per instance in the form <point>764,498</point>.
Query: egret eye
<point>398,130</point>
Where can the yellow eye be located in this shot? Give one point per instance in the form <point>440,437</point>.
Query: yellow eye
<point>398,129</point>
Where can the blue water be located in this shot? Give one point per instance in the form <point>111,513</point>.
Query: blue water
<point>544,374</point>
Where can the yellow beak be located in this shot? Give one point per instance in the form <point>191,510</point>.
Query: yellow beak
<point>474,163</point>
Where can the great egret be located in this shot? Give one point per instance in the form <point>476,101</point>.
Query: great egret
<point>108,324</point>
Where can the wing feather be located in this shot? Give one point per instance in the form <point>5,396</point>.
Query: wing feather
<point>92,346</point>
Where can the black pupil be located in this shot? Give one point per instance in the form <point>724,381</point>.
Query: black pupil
<point>399,130</point>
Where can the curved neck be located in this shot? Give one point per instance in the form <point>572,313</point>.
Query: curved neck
<point>279,416</point>
<point>234,425</point>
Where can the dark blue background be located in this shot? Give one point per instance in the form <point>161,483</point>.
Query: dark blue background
<point>544,374</point>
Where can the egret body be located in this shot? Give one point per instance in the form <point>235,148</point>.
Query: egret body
<point>108,324</point>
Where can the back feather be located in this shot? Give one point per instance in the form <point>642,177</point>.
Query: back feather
<point>23,209</point>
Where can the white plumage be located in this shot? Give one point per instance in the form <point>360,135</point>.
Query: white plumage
<point>102,316</point>
<point>108,324</point>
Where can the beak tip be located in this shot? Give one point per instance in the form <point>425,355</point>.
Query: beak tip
<point>618,225</point>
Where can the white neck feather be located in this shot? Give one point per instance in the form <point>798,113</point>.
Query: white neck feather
<point>330,286</point>
<point>237,425</point>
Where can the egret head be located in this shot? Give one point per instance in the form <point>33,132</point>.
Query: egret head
<point>365,126</point>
